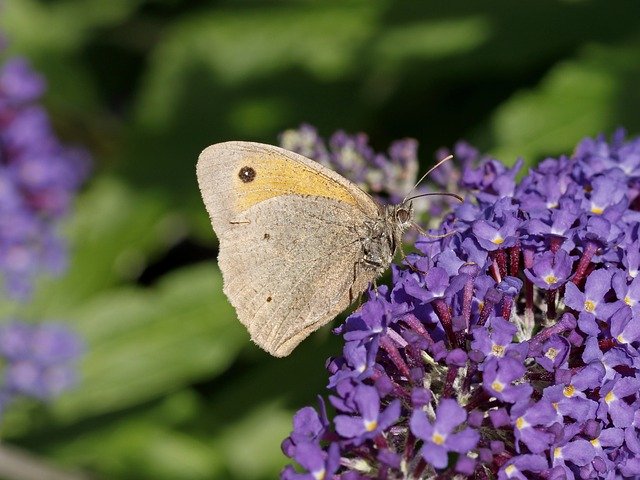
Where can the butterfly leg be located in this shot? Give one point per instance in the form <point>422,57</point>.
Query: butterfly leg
<point>375,287</point>
<point>406,260</point>
<point>424,233</point>
<point>355,276</point>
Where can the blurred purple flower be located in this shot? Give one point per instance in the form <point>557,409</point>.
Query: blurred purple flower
<point>39,177</point>
<point>511,351</point>
<point>39,360</point>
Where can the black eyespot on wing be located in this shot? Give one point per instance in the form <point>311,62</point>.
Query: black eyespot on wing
<point>266,236</point>
<point>247,174</point>
<point>269,299</point>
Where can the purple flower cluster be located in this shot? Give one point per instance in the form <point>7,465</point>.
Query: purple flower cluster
<point>507,349</point>
<point>38,360</point>
<point>39,177</point>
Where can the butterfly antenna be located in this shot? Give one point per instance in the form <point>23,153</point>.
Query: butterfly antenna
<point>445,194</point>
<point>425,175</point>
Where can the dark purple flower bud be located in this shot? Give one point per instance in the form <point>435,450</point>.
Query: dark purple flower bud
<point>465,465</point>
<point>499,418</point>
<point>420,397</point>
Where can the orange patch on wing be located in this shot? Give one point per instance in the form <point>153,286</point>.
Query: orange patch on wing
<point>277,175</point>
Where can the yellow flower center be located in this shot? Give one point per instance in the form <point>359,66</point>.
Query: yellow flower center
<point>596,209</point>
<point>319,474</point>
<point>621,338</point>
<point>498,239</point>
<point>370,425</point>
<point>498,350</point>
<point>550,279</point>
<point>555,405</point>
<point>510,469</point>
<point>552,353</point>
<point>557,453</point>
<point>629,301</point>
<point>568,391</point>
<point>437,438</point>
<point>497,386</point>
<point>521,423</point>
<point>610,397</point>
<point>595,442</point>
<point>590,306</point>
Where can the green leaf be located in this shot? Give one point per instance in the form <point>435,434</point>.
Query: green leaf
<point>56,27</point>
<point>143,343</point>
<point>431,39</point>
<point>585,96</point>
<point>237,46</point>
<point>112,235</point>
<point>141,444</point>
<point>251,446</point>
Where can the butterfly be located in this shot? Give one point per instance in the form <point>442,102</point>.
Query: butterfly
<point>298,242</point>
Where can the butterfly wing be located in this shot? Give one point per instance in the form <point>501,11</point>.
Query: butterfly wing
<point>290,251</point>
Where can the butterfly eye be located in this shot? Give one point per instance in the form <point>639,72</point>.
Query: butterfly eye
<point>403,215</point>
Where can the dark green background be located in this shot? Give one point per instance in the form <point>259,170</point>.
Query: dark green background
<point>172,388</point>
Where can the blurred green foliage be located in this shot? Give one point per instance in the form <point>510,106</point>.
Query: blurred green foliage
<point>171,386</point>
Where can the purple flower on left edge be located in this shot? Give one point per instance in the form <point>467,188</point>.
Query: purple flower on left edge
<point>439,436</point>
<point>39,360</point>
<point>39,178</point>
